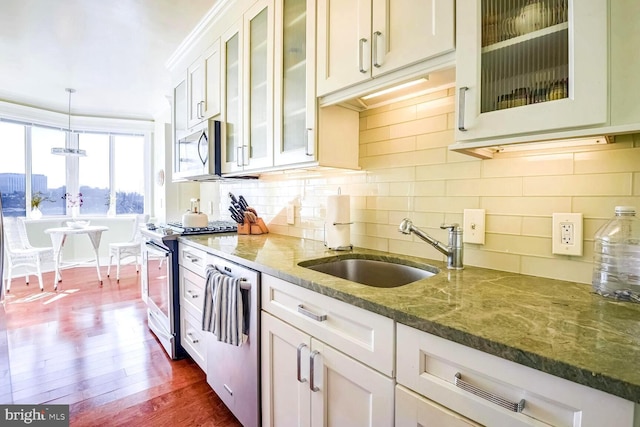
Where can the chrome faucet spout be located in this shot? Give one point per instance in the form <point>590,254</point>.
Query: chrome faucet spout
<point>453,251</point>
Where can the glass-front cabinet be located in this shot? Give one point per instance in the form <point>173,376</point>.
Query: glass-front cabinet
<point>294,83</point>
<point>530,65</point>
<point>247,52</point>
<point>232,93</point>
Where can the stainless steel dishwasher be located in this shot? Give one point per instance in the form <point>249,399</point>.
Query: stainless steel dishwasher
<point>234,372</point>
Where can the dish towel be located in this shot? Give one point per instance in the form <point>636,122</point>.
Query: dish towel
<point>224,312</point>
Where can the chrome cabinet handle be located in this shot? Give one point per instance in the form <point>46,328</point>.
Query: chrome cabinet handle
<point>512,406</point>
<point>461,105</point>
<point>191,258</point>
<point>226,387</point>
<point>298,369</point>
<point>376,36</point>
<point>312,315</point>
<point>308,151</point>
<point>361,44</point>
<point>312,358</point>
<point>191,338</point>
<point>238,156</point>
<point>191,294</point>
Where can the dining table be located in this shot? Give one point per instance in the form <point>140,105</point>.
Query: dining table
<point>58,238</point>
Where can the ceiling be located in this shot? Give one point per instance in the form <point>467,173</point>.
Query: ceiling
<point>113,53</point>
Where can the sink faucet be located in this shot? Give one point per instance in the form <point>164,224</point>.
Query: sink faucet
<point>453,251</point>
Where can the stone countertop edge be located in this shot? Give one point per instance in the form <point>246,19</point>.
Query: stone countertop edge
<point>449,323</point>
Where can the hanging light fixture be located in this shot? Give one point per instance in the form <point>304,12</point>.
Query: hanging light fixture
<point>67,151</point>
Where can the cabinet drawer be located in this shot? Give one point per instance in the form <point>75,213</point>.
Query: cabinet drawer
<point>193,338</point>
<point>191,292</point>
<point>365,336</point>
<point>414,410</point>
<point>192,258</point>
<point>428,365</point>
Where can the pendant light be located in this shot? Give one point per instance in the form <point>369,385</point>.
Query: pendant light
<point>67,151</point>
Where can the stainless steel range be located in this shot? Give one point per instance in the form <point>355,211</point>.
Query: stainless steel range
<point>160,286</point>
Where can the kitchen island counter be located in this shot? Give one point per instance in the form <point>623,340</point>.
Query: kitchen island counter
<point>554,326</point>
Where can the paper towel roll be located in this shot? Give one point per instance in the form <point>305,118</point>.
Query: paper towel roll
<point>339,213</point>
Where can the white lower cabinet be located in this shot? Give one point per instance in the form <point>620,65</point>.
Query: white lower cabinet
<point>307,383</point>
<point>192,283</point>
<point>318,358</point>
<point>487,386</point>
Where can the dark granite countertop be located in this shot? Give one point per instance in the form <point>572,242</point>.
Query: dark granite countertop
<point>554,326</point>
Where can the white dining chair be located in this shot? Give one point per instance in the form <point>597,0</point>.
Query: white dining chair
<point>128,249</point>
<point>19,252</point>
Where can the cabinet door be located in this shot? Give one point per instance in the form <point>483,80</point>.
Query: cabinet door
<point>231,53</point>
<point>257,149</point>
<point>195,92</point>
<point>346,392</point>
<point>344,43</point>
<point>294,89</point>
<point>285,399</point>
<point>413,410</point>
<point>211,98</point>
<point>180,109</point>
<point>403,33</point>
<point>527,67</point>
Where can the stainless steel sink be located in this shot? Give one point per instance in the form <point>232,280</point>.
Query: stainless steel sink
<point>390,273</point>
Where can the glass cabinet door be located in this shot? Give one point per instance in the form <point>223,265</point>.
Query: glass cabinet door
<point>232,135</point>
<point>524,66</point>
<point>258,148</point>
<point>294,85</point>
<point>525,53</point>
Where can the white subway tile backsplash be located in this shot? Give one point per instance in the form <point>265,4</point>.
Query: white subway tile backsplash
<point>552,164</point>
<point>408,171</point>
<point>616,184</point>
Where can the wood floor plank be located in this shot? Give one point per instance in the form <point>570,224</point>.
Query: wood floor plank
<point>89,347</point>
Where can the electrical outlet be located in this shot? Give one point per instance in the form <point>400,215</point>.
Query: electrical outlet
<point>291,214</point>
<point>566,235</point>
<point>473,227</point>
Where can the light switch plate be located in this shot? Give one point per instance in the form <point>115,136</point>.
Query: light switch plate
<point>567,234</point>
<point>474,226</point>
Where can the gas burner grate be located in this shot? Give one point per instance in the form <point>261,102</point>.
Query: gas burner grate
<point>212,227</point>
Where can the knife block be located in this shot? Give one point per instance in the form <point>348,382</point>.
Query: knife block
<point>258,227</point>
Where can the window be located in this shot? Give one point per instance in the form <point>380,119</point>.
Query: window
<point>12,173</point>
<point>94,174</point>
<point>111,178</point>
<point>48,172</point>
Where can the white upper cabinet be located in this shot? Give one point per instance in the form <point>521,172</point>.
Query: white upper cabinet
<point>247,58</point>
<point>294,82</point>
<point>231,43</point>
<point>528,66</point>
<point>203,86</point>
<point>257,151</point>
<point>362,39</point>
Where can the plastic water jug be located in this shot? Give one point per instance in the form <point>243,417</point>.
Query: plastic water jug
<point>616,256</point>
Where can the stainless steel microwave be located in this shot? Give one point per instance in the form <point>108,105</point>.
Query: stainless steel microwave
<point>196,156</point>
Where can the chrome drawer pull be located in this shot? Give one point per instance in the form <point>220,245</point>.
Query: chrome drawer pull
<point>298,374</point>
<point>191,338</point>
<point>191,294</point>
<point>312,358</point>
<point>316,317</point>
<point>512,406</point>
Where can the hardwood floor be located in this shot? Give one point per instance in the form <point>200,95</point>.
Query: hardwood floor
<point>89,347</point>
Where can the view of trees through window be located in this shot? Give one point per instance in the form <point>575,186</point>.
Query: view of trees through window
<point>109,180</point>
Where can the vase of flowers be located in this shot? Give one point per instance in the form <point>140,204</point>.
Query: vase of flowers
<point>36,200</point>
<point>73,203</point>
